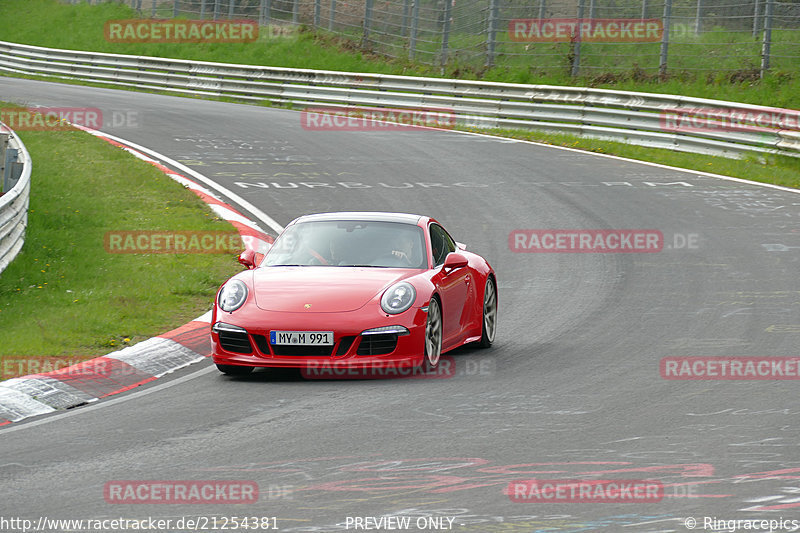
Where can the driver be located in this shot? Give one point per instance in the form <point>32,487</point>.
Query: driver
<point>403,248</point>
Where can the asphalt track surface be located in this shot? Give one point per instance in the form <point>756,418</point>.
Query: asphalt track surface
<point>572,388</point>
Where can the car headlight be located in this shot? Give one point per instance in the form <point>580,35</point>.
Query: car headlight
<point>232,296</point>
<point>398,298</point>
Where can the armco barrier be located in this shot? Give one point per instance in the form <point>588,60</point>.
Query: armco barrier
<point>637,118</point>
<point>15,186</point>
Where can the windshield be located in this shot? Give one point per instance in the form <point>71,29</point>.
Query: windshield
<point>349,243</point>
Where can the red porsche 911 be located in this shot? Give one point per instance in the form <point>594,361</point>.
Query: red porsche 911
<point>377,290</point>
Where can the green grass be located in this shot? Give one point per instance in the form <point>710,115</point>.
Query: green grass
<point>64,295</point>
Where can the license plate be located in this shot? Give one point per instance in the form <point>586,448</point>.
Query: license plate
<point>302,338</point>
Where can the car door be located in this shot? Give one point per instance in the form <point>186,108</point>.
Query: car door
<point>453,285</point>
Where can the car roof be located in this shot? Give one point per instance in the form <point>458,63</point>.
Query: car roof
<point>373,216</point>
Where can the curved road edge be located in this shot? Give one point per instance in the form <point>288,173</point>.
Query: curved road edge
<point>148,360</point>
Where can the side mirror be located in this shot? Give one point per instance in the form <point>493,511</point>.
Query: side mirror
<point>455,260</point>
<point>248,258</point>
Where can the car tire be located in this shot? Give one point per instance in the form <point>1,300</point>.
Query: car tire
<point>235,370</point>
<point>433,335</point>
<point>489,318</point>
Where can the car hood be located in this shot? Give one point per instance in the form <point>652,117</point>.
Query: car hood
<point>320,289</point>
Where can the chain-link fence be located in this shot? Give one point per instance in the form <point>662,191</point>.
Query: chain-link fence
<point>741,38</point>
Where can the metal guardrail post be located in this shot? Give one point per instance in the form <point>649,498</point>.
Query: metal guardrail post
<point>767,42</point>
<point>11,169</point>
<point>3,167</point>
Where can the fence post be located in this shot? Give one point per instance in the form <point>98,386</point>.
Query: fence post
<point>295,11</point>
<point>154,9</point>
<point>448,4</point>
<point>202,9</point>
<point>541,9</point>
<point>765,45</point>
<point>592,10</point>
<point>317,9</point>
<point>406,9</point>
<point>216,9</point>
<point>756,18</point>
<point>644,9</point>
<point>662,62</point>
<point>576,42</point>
<point>332,16</point>
<point>698,18</point>
<point>367,23</point>
<point>412,39</point>
<point>492,32</point>
<point>231,7</point>
<point>263,19</point>
<point>175,9</point>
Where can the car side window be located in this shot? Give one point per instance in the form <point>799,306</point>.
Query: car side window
<point>441,244</point>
